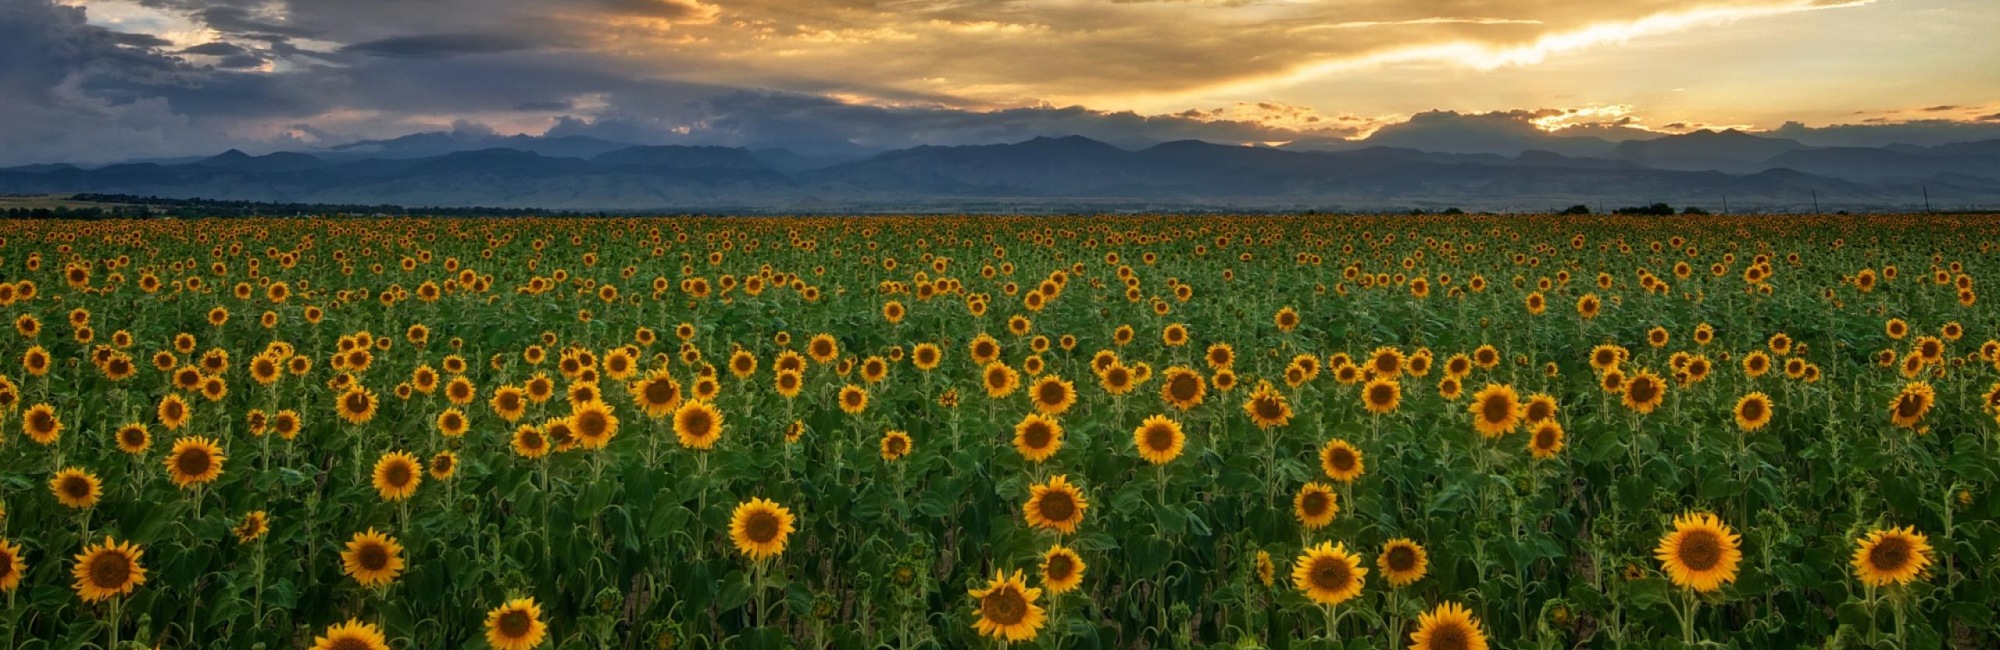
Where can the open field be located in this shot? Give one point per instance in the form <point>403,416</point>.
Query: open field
<point>1130,432</point>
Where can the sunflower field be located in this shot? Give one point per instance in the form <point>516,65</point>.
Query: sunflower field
<point>1436,433</point>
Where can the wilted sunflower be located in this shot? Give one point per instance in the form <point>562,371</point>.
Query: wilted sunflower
<point>895,445</point>
<point>1267,408</point>
<point>1037,437</point>
<point>1644,391</point>
<point>1448,627</point>
<point>1381,395</point>
<point>356,405</point>
<point>1328,574</point>
<point>1315,505</point>
<point>194,461</point>
<point>252,527</point>
<point>1403,562</point>
<point>516,625</point>
<point>697,425</point>
<point>1341,461</point>
<point>1910,404</point>
<point>76,488</point>
<point>759,528</point>
<point>372,558</point>
<point>1893,556</point>
<point>108,569</point>
<point>397,476</point>
<point>352,635</point>
<point>41,424</point>
<point>1007,608</point>
<point>1062,569</point>
<point>1545,439</point>
<point>1496,410</point>
<point>1056,505</point>
<point>1159,440</point>
<point>12,566</point>
<point>1700,553</point>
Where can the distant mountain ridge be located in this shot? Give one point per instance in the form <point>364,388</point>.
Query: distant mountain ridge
<point>440,169</point>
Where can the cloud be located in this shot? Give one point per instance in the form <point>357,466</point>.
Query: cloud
<point>432,46</point>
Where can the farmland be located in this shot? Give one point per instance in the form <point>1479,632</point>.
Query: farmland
<point>1056,432</point>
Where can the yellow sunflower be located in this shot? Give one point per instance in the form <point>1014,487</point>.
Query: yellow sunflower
<point>1753,411</point>
<point>1341,461</point>
<point>1381,395</point>
<point>397,476</point>
<point>1007,608</point>
<point>1644,391</point>
<point>529,442</point>
<point>1267,408</point>
<point>174,412</point>
<point>372,558</point>
<point>41,424</point>
<point>1910,404</point>
<point>1545,439</point>
<point>1403,562</point>
<point>76,488</point>
<point>593,424</point>
<point>195,460</point>
<point>853,399</point>
<point>1183,388</point>
<point>895,445</point>
<point>1315,506</point>
<point>1328,574</point>
<point>509,402</point>
<point>253,527</point>
<point>356,405</point>
<point>698,425</point>
<point>12,566</point>
<point>108,569</point>
<point>352,635</point>
<point>516,625</point>
<point>1056,505</point>
<point>1038,437</point>
<point>1701,553</point>
<point>1062,569</point>
<point>1893,556</point>
<point>451,423</point>
<point>1496,410</point>
<point>1052,395</point>
<point>1159,440</point>
<point>658,394</point>
<point>759,528</point>
<point>1448,627</point>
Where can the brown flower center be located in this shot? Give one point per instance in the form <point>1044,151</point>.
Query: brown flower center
<point>1891,554</point>
<point>515,624</point>
<point>193,462</point>
<point>1004,606</point>
<point>1330,573</point>
<point>1700,550</point>
<point>110,570</point>
<point>1057,506</point>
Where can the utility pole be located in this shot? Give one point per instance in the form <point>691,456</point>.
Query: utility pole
<point>1815,194</point>
<point>1927,198</point>
<point>1725,202</point>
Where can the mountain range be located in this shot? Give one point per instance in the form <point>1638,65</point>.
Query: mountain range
<point>1715,170</point>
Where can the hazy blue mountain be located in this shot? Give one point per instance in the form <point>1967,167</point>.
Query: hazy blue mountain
<point>1729,151</point>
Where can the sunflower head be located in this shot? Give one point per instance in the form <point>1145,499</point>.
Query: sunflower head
<point>1037,437</point>
<point>1159,440</point>
<point>1496,410</point>
<point>1403,562</point>
<point>1056,505</point>
<point>1062,569</point>
<point>1006,608</point>
<point>108,569</point>
<point>895,445</point>
<point>372,558</point>
<point>1341,461</point>
<point>397,475</point>
<point>759,528</point>
<point>1895,556</point>
<point>194,461</point>
<point>1328,574</point>
<point>1448,626</point>
<point>698,425</point>
<point>1315,506</point>
<point>1700,553</point>
<point>352,635</point>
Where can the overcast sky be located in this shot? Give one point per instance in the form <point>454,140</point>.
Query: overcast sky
<point>92,81</point>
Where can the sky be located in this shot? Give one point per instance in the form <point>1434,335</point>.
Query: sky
<point>102,80</point>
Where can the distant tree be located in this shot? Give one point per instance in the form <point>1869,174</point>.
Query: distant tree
<point>1452,211</point>
<point>1654,210</point>
<point>1693,210</point>
<point>1577,209</point>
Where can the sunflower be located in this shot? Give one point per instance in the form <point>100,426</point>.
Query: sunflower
<point>356,405</point>
<point>460,391</point>
<point>1893,556</point>
<point>516,625</point>
<point>1341,461</point>
<point>12,566</point>
<point>1756,363</point>
<point>697,425</point>
<point>286,424</point>
<point>1056,505</point>
<point>1266,569</point>
<point>451,423</point>
<point>352,635</point>
<point>1545,439</point>
<point>1496,410</point>
<point>1007,608</point>
<point>76,488</point>
<point>1403,562</point>
<point>444,465</point>
<point>593,424</point>
<point>759,528</point>
<point>1381,395</point>
<point>1267,408</point>
<point>1540,406</point>
<point>372,558</point>
<point>397,476</point>
<point>1219,356</point>
<point>1644,392</point>
<point>1183,388</point>
<point>1052,395</point>
<point>529,442</point>
<point>1328,574</point>
<point>853,399</point>
<point>895,444</point>
<point>1062,569</point>
<point>1037,437</point>
<point>42,424</point>
<point>509,402</point>
<point>1753,411</point>
<point>1159,440</point>
<point>133,438</point>
<point>108,569</point>
<point>1910,405</point>
<point>253,527</point>
<point>194,460</point>
<point>1117,379</point>
<point>1700,553</point>
<point>1448,627</point>
<point>1315,506</point>
<point>823,348</point>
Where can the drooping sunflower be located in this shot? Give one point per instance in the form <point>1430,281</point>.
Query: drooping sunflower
<point>1545,439</point>
<point>1341,461</point>
<point>593,424</point>
<point>1007,608</point>
<point>1644,391</point>
<point>397,476</point>
<point>1159,440</point>
<point>12,566</point>
<point>1403,562</point>
<point>1753,411</point>
<point>1448,627</point>
<point>252,527</point>
<point>372,558</point>
<point>1892,556</point>
<point>1062,569</point>
<point>1037,437</point>
<point>698,425</point>
<point>41,424</point>
<point>1056,505</point>
<point>1701,553</point>
<point>194,461</point>
<point>356,405</point>
<point>108,569</point>
<point>1328,574</point>
<point>895,445</point>
<point>1267,408</point>
<point>1496,410</point>
<point>759,528</point>
<point>352,635</point>
<point>1910,404</point>
<point>516,625</point>
<point>1381,395</point>
<point>1315,505</point>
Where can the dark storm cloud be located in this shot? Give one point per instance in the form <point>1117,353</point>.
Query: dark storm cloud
<point>432,46</point>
